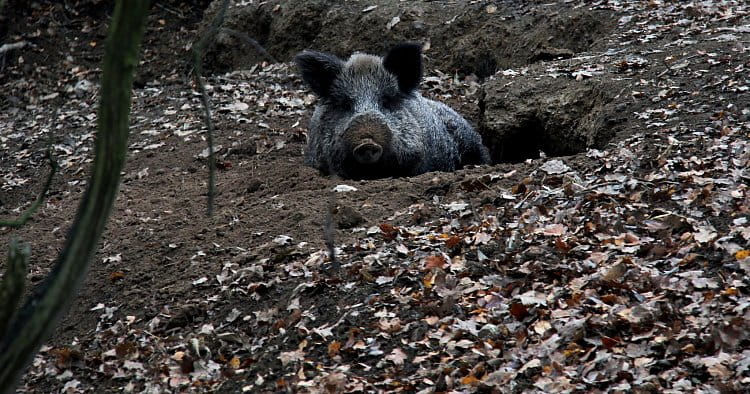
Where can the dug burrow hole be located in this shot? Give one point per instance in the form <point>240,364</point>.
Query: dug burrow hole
<point>523,116</point>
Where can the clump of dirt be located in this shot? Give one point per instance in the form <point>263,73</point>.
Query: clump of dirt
<point>557,115</point>
<point>467,37</point>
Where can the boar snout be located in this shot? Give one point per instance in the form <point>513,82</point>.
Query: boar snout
<point>368,152</point>
<point>367,136</point>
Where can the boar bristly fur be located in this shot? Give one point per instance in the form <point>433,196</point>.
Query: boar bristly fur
<point>371,121</point>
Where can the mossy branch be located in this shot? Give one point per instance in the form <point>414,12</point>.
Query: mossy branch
<point>11,287</point>
<point>40,314</point>
<point>199,48</point>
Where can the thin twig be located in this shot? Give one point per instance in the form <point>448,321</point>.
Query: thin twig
<point>39,200</point>
<point>9,47</point>
<point>199,49</point>
<point>670,69</point>
<point>329,231</point>
<point>252,42</point>
<point>170,10</point>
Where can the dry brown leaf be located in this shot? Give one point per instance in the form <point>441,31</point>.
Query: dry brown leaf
<point>518,310</point>
<point>435,261</point>
<point>389,231</point>
<point>452,242</point>
<point>609,342</point>
<point>333,348</point>
<point>117,275</point>
<point>397,356</point>
<point>470,380</point>
<point>390,326</point>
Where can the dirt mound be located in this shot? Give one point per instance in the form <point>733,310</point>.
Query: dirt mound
<point>468,37</point>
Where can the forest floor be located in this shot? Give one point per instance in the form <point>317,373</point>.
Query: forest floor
<point>622,268</point>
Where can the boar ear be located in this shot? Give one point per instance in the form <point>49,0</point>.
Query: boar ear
<point>405,62</point>
<point>318,70</point>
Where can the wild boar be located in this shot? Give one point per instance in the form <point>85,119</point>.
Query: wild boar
<point>371,121</point>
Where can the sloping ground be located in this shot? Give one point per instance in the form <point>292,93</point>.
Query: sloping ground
<point>623,268</point>
<point>476,37</point>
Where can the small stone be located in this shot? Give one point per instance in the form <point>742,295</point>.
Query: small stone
<point>346,217</point>
<point>254,185</point>
<point>489,331</point>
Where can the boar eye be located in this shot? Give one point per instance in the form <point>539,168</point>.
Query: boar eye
<point>389,102</point>
<point>342,102</point>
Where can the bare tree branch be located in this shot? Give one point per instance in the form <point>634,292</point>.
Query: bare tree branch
<point>38,317</point>
<point>199,48</point>
<point>11,287</point>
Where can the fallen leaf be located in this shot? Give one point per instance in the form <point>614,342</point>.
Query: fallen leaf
<point>389,232</point>
<point>518,310</point>
<point>452,242</point>
<point>553,230</point>
<point>333,348</point>
<point>290,357</point>
<point>435,261</point>
<point>397,357</point>
<point>344,189</point>
<point>470,380</point>
<point>554,167</point>
<point>117,275</point>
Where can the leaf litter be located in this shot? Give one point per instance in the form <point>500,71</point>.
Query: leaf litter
<point>623,269</point>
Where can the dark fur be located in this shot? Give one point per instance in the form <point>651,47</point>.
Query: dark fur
<point>373,99</point>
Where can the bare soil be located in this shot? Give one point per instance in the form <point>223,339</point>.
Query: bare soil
<point>601,252</point>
